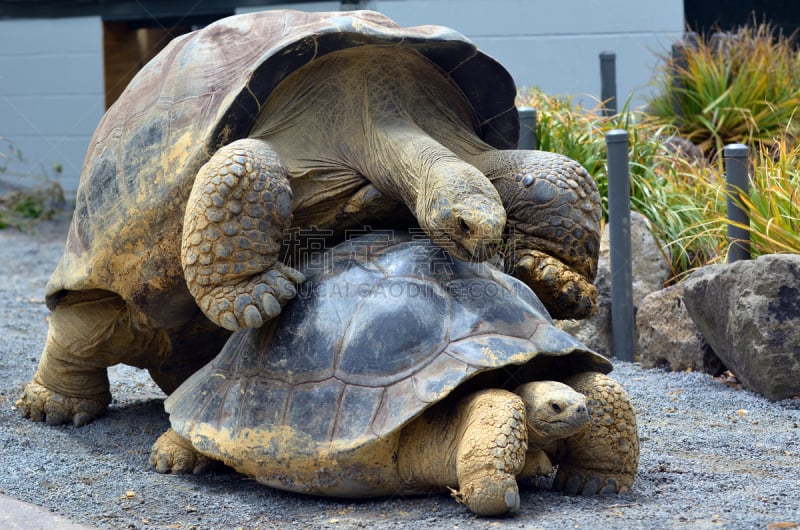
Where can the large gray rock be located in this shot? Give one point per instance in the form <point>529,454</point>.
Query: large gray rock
<point>749,313</point>
<point>649,271</point>
<point>669,337</point>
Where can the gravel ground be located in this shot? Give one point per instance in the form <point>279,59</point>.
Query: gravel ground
<point>712,456</point>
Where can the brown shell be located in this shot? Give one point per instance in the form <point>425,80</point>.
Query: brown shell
<point>201,92</point>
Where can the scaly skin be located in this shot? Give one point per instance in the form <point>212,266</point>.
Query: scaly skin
<point>70,388</point>
<point>553,209</point>
<point>603,458</point>
<point>565,293</point>
<point>173,453</point>
<point>239,209</point>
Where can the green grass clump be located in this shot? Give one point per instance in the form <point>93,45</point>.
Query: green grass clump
<point>743,88</point>
<point>772,203</point>
<point>663,186</point>
<point>22,205</point>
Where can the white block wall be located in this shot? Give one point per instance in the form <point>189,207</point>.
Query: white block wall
<point>51,92</point>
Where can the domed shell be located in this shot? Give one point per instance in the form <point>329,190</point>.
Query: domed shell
<point>378,333</point>
<point>201,92</point>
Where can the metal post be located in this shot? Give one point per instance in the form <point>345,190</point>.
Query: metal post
<point>608,83</point>
<point>619,219</point>
<point>736,164</point>
<point>527,128</point>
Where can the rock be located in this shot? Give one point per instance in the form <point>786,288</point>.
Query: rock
<point>749,313</point>
<point>649,272</point>
<point>669,337</point>
<point>595,331</point>
<point>681,147</point>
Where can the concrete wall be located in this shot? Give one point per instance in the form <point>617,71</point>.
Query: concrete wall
<point>51,93</point>
<point>51,71</point>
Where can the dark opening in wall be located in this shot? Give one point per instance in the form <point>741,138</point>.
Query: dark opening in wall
<point>708,16</point>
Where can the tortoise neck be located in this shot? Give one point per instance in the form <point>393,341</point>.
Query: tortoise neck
<point>410,165</point>
<point>388,115</point>
<point>454,203</point>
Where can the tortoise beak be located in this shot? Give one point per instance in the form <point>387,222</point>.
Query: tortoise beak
<point>478,230</point>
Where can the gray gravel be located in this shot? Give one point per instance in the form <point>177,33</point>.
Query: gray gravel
<point>712,456</point>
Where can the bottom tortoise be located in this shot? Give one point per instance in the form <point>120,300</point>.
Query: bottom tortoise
<point>399,370</point>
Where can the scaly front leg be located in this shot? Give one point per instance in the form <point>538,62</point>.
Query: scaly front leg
<point>476,450</point>
<point>553,234</point>
<point>239,208</point>
<point>565,293</point>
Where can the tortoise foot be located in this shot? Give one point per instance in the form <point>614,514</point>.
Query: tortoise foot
<point>234,229</point>
<point>251,302</point>
<point>491,452</point>
<point>40,403</point>
<point>604,457</point>
<point>475,449</point>
<point>173,454</point>
<point>564,292</point>
<point>577,481</point>
<point>493,496</point>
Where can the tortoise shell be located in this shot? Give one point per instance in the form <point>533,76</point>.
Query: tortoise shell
<point>379,333</point>
<point>203,91</point>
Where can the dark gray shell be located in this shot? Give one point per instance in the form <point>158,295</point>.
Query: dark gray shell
<point>377,334</point>
<point>203,91</point>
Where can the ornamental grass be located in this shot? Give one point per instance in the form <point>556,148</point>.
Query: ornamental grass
<point>741,87</point>
<point>664,185</point>
<point>682,197</point>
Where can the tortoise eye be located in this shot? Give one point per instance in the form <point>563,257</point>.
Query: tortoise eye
<point>556,407</point>
<point>464,227</point>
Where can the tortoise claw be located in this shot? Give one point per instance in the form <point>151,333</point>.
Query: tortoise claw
<point>270,305</point>
<point>40,404</point>
<point>228,321</point>
<point>253,301</point>
<point>564,292</point>
<point>252,317</point>
<point>173,454</point>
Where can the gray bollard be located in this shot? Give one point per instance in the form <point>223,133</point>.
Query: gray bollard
<point>608,83</point>
<point>737,182</point>
<point>527,128</point>
<point>619,219</point>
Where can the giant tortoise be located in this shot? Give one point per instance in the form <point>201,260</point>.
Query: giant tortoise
<point>398,370</point>
<point>240,136</point>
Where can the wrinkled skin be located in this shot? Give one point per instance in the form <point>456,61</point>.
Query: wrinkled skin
<point>361,136</point>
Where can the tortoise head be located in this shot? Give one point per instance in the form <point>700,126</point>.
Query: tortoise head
<point>461,211</point>
<point>553,410</point>
<point>558,212</point>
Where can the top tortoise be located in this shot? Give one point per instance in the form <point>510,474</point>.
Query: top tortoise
<point>238,133</point>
